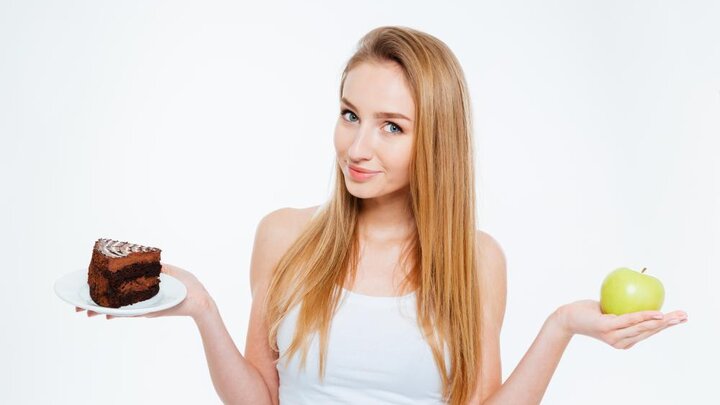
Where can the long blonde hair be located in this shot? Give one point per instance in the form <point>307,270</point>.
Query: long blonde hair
<point>441,253</point>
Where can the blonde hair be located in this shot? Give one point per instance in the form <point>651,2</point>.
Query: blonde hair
<point>441,253</point>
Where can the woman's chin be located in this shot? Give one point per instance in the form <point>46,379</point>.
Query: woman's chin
<point>363,191</point>
<point>366,192</point>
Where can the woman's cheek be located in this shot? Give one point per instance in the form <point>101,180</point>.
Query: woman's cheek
<point>342,139</point>
<point>339,142</point>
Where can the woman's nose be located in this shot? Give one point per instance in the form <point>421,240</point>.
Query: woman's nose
<point>362,146</point>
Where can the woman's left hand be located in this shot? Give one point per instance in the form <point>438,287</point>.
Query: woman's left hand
<point>619,331</point>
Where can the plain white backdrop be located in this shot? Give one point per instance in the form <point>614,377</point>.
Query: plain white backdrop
<point>180,124</point>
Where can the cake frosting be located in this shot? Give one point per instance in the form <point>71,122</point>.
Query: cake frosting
<point>114,248</point>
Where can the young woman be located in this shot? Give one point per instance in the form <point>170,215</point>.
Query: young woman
<point>388,294</point>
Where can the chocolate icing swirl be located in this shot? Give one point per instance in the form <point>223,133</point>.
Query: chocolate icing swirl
<point>114,248</point>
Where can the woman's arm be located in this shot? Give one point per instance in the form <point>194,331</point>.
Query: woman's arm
<point>252,379</point>
<point>529,381</point>
<point>531,377</point>
<point>235,379</point>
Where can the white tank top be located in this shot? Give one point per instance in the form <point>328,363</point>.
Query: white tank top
<point>376,355</point>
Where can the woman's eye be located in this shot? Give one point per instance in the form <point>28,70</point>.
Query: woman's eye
<point>349,115</point>
<point>393,128</point>
<point>390,127</point>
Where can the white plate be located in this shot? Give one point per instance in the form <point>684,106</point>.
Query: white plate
<point>74,289</point>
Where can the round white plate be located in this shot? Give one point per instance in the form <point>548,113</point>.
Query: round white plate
<point>74,289</point>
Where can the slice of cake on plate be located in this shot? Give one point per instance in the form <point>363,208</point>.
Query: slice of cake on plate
<point>123,273</point>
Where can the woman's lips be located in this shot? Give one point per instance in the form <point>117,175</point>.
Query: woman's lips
<point>360,176</point>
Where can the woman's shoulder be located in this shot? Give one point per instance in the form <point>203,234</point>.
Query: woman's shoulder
<point>288,218</point>
<point>487,244</point>
<point>274,235</point>
<point>282,226</point>
<point>492,271</point>
<point>490,255</point>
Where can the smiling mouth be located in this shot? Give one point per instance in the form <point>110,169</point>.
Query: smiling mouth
<point>358,175</point>
<point>361,170</point>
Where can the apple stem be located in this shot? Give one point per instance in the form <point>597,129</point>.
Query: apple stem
<point>643,270</point>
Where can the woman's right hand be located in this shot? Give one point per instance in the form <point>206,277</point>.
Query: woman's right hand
<point>197,302</point>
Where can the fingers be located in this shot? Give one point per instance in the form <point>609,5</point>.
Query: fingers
<point>628,337</point>
<point>637,322</point>
<point>167,268</point>
<point>639,328</point>
<point>630,342</point>
<point>90,314</point>
<point>633,318</point>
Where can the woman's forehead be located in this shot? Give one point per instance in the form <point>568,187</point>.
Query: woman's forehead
<point>378,87</point>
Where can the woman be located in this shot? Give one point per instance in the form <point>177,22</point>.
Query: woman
<point>388,293</point>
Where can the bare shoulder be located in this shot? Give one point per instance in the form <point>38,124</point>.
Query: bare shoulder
<point>274,235</point>
<point>282,226</point>
<point>489,248</point>
<point>492,268</point>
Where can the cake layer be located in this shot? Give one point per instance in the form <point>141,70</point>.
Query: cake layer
<point>132,297</point>
<point>137,284</point>
<point>105,295</point>
<point>128,272</point>
<point>137,296</point>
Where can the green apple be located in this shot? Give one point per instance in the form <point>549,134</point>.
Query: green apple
<point>625,290</point>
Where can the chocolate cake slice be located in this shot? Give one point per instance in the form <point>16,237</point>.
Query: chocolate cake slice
<point>123,273</point>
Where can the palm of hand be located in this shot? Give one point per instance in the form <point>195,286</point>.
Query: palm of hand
<point>620,331</point>
<point>197,297</point>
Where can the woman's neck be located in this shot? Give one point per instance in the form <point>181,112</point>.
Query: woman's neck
<point>387,218</point>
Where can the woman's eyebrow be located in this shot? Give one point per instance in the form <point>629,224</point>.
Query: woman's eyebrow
<point>378,114</point>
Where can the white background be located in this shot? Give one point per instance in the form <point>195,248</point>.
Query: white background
<point>179,125</point>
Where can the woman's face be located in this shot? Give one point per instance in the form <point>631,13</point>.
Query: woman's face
<point>374,132</point>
